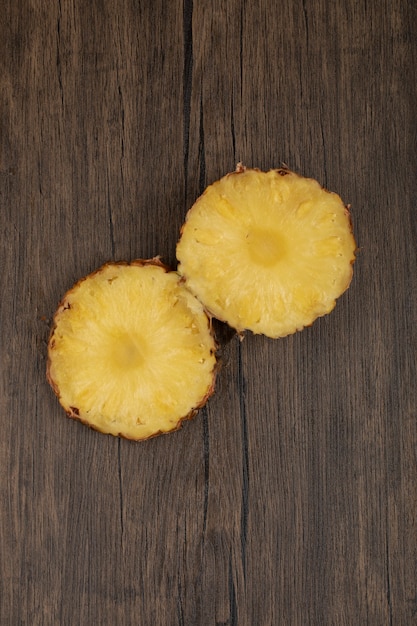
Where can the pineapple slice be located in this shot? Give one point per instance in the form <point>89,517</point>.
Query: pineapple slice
<point>131,352</point>
<point>267,251</point>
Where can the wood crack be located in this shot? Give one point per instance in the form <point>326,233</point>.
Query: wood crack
<point>233,621</point>
<point>201,150</point>
<point>232,129</point>
<point>389,599</point>
<point>122,139</point>
<point>119,470</point>
<point>187,81</point>
<point>206,457</point>
<point>110,218</point>
<point>245,462</point>
<point>324,150</point>
<point>58,53</point>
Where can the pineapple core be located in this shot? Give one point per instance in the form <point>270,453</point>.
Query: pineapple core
<point>265,248</point>
<point>131,352</point>
<point>267,251</point>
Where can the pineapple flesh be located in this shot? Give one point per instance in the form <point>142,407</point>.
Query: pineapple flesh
<point>267,251</point>
<point>131,352</point>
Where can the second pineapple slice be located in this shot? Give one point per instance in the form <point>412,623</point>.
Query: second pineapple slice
<point>131,352</point>
<point>267,251</point>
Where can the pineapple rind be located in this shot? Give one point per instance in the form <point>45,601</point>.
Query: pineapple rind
<point>131,352</point>
<point>302,257</point>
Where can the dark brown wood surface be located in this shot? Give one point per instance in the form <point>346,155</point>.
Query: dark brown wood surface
<point>291,499</point>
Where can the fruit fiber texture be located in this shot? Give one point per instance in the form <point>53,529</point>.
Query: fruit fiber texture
<point>131,351</point>
<point>267,251</point>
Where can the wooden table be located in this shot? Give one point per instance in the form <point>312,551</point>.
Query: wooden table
<point>291,499</point>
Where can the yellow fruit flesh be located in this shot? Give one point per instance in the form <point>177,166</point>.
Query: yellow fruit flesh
<point>269,252</point>
<point>131,352</point>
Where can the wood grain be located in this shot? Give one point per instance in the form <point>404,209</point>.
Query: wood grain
<point>291,498</point>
